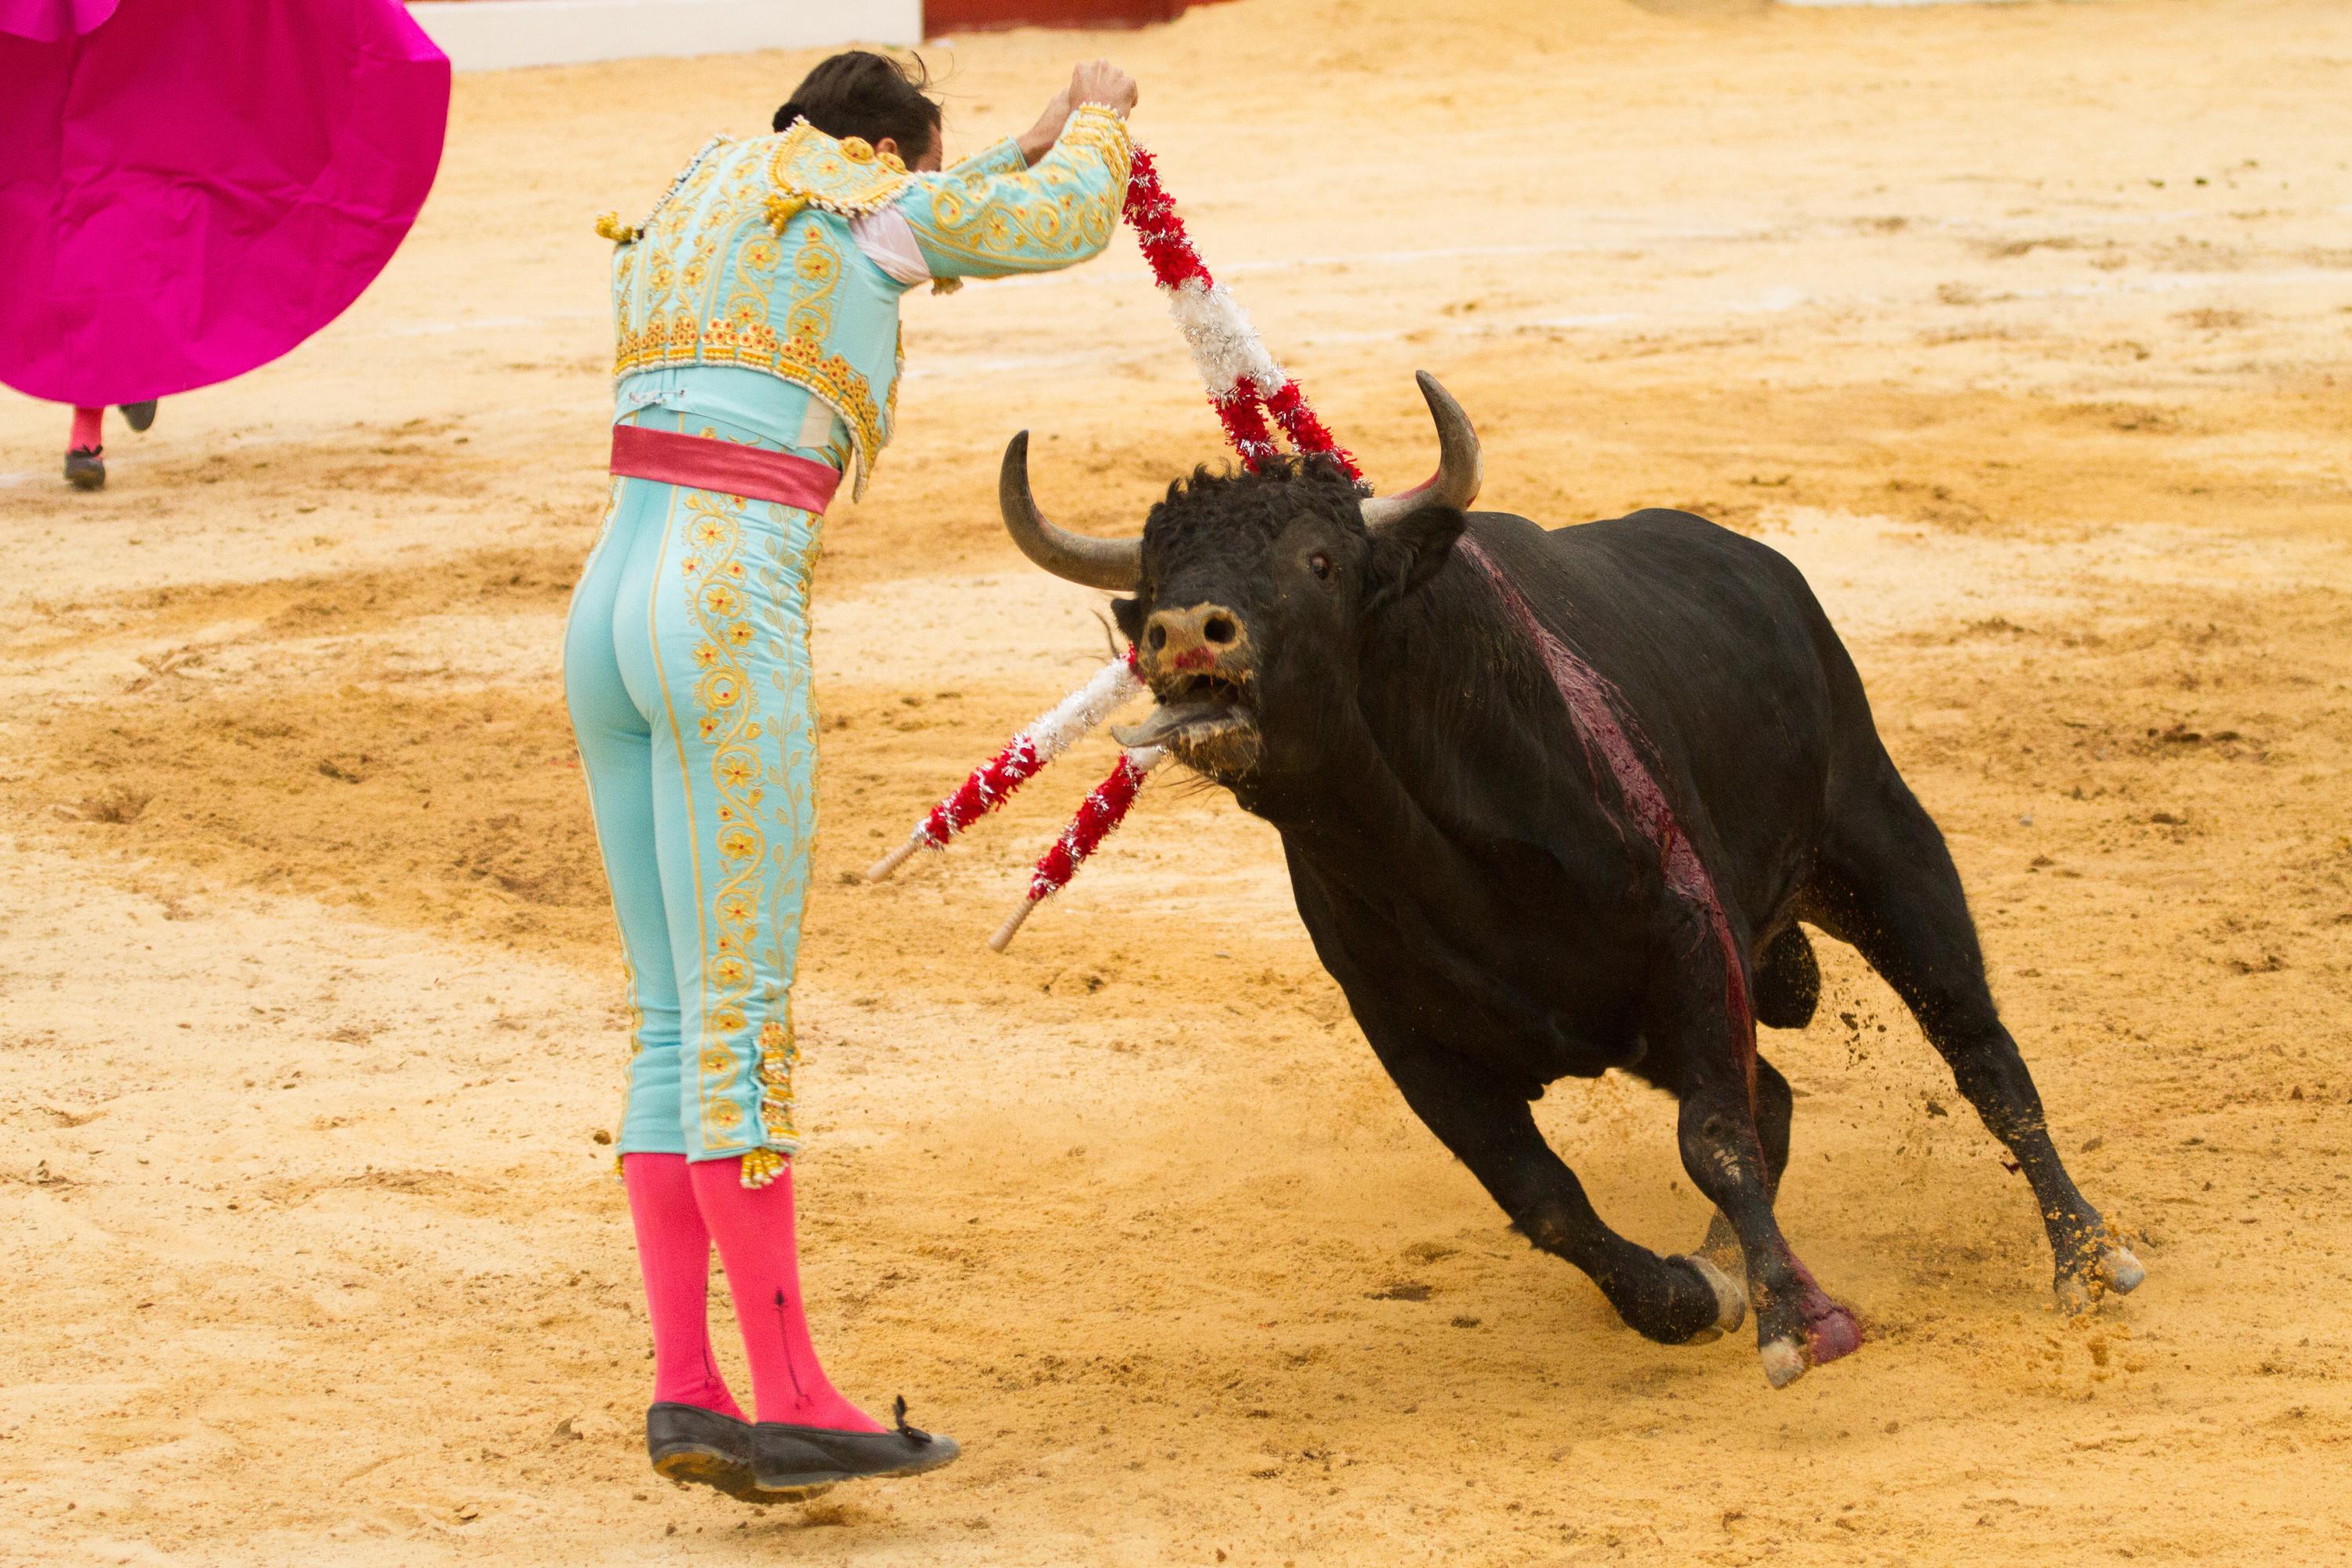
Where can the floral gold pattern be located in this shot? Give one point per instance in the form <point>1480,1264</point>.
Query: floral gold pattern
<point>985,223</point>
<point>728,723</point>
<point>744,576</point>
<point>809,168</point>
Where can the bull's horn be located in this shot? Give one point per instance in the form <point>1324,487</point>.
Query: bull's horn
<point>1113,564</point>
<point>1459,470</point>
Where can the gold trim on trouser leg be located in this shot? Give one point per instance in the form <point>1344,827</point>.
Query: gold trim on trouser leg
<point>783,609</point>
<point>714,1123</point>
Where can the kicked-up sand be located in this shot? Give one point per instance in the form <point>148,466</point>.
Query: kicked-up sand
<point>2022,328</point>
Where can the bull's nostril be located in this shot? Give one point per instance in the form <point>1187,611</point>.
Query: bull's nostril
<point>1219,630</point>
<point>1159,638</point>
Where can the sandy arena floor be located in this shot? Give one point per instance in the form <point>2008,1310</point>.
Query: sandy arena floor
<point>2023,329</point>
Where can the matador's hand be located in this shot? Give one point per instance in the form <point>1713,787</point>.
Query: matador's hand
<point>1099,81</point>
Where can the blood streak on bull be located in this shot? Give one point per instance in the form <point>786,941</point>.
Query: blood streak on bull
<point>1591,707</point>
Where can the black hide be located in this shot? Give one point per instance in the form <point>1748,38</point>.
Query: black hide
<point>1510,893</point>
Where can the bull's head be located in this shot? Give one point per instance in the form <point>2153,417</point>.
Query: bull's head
<point>1251,594</point>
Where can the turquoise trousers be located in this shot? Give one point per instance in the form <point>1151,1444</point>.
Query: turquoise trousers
<point>686,668</point>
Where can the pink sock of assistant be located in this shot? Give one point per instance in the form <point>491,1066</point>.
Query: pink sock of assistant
<point>753,1227</point>
<point>85,429</point>
<point>673,1254</point>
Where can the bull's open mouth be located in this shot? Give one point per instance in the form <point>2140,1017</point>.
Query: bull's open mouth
<point>1204,718</point>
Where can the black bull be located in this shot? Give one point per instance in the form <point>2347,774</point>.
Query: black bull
<point>1555,801</point>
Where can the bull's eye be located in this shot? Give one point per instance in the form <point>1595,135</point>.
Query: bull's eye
<point>1320,564</point>
<point>1159,638</point>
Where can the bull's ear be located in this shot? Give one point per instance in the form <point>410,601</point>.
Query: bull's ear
<point>1129,616</point>
<point>1409,552</point>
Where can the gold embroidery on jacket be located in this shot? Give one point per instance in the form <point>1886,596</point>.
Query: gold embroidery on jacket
<point>699,288</point>
<point>818,268</point>
<point>679,328</point>
<point>810,169</point>
<point>1097,126</point>
<point>754,345</point>
<point>987,219</point>
<point>665,332</point>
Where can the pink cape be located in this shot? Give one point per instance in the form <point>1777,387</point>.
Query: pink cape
<point>188,189</point>
<point>44,20</point>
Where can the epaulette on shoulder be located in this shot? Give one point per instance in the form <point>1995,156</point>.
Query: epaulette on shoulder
<point>810,169</point>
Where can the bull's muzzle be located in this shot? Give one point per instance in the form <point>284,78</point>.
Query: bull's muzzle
<point>1198,662</point>
<point>1203,641</point>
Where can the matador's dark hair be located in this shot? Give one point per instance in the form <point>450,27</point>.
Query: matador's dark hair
<point>860,93</point>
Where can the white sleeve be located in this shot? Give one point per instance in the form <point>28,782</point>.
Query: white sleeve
<point>888,241</point>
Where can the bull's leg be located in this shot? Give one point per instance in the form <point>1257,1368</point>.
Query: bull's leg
<point>1888,886</point>
<point>1774,1105</point>
<point>1673,1300</point>
<point>1707,1046</point>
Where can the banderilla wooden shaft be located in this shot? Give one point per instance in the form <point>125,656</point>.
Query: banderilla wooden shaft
<point>897,857</point>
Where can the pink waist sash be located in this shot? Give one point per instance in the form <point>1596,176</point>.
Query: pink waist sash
<point>704,463</point>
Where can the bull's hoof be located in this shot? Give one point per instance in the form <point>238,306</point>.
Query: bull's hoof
<point>2121,1269</point>
<point>1828,1331</point>
<point>1783,1363</point>
<point>2112,1267</point>
<point>1730,1301</point>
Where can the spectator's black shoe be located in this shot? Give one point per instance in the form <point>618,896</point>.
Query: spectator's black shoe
<point>789,1460</point>
<point>86,468</point>
<point>138,416</point>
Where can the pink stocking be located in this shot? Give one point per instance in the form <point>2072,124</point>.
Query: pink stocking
<point>674,1252</point>
<point>86,437</point>
<point>753,1227</point>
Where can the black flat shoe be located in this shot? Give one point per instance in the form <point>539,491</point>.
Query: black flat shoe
<point>789,1458</point>
<point>138,416</point>
<point>86,468</point>
<point>693,1447</point>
